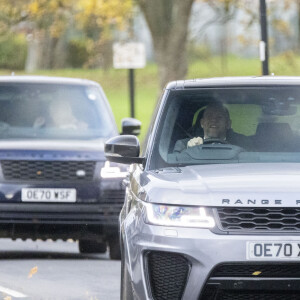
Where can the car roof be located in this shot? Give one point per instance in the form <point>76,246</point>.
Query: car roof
<point>233,81</point>
<point>45,80</point>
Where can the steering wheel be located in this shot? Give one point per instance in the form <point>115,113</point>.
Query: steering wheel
<point>214,141</point>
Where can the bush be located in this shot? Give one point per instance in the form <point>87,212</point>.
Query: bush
<point>13,52</point>
<point>77,53</point>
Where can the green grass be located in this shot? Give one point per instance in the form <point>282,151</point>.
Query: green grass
<point>115,82</point>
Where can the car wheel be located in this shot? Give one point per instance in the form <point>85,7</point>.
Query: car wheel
<point>87,246</point>
<point>114,247</point>
<point>126,287</point>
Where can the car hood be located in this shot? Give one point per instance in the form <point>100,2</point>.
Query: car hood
<point>56,149</point>
<point>273,184</point>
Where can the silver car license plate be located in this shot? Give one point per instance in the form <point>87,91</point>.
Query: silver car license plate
<point>48,195</point>
<point>273,250</point>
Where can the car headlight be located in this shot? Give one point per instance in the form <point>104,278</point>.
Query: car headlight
<point>109,171</point>
<point>182,216</point>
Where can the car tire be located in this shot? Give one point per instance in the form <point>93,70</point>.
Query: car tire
<point>126,292</point>
<point>87,246</point>
<point>114,247</point>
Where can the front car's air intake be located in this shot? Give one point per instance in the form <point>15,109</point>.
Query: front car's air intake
<point>168,274</point>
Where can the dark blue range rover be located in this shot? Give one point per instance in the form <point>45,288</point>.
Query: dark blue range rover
<point>54,180</point>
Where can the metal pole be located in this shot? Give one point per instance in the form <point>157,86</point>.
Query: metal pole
<point>263,45</point>
<point>131,91</point>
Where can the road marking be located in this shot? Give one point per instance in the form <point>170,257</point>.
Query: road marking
<point>12,293</point>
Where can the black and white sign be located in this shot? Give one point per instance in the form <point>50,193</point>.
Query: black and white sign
<point>129,56</point>
<point>48,195</point>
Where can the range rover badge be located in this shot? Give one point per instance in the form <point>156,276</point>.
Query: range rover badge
<point>80,173</point>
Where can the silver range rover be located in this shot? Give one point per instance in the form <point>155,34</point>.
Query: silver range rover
<point>212,208</point>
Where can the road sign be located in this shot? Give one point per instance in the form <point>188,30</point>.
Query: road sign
<point>129,55</point>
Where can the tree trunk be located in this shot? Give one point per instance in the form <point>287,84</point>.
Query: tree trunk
<point>224,47</point>
<point>33,52</point>
<point>298,25</point>
<point>59,59</point>
<point>168,23</point>
<point>40,52</point>
<point>48,47</point>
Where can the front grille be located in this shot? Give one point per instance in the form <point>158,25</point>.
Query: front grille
<point>283,270</point>
<point>168,274</point>
<point>250,295</point>
<point>47,170</point>
<point>113,196</point>
<point>259,219</point>
<point>236,281</point>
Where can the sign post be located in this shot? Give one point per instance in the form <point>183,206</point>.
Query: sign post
<point>129,56</point>
<point>131,92</point>
<point>263,44</point>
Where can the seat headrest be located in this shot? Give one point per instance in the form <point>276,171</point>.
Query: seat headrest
<point>273,129</point>
<point>276,128</point>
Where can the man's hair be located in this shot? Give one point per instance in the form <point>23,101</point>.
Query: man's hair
<point>217,105</point>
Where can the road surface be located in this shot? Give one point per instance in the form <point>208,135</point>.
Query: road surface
<point>55,270</point>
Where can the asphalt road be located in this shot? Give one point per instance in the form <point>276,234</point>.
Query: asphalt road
<point>55,270</point>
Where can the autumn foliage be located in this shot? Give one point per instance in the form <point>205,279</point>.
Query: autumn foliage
<point>46,22</point>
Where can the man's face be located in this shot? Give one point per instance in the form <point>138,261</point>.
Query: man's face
<point>215,123</point>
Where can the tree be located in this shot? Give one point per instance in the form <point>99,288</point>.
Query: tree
<point>47,22</point>
<point>97,19</point>
<point>298,25</point>
<point>224,11</point>
<point>168,23</point>
<point>43,22</point>
<point>50,20</point>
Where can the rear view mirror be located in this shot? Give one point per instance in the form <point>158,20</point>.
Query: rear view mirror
<point>131,126</point>
<point>279,107</point>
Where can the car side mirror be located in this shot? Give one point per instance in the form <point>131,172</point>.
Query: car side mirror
<point>123,149</point>
<point>131,126</point>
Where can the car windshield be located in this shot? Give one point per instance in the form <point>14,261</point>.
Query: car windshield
<point>229,125</point>
<point>53,111</point>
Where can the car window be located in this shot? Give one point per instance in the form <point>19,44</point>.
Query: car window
<point>264,126</point>
<point>48,111</point>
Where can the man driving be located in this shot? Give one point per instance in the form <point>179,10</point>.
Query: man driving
<point>216,126</point>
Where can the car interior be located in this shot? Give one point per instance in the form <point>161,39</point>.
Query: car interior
<point>22,106</point>
<point>270,124</point>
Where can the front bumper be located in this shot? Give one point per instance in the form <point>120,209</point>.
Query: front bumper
<point>94,215</point>
<point>58,213</point>
<point>203,253</point>
<point>58,221</point>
